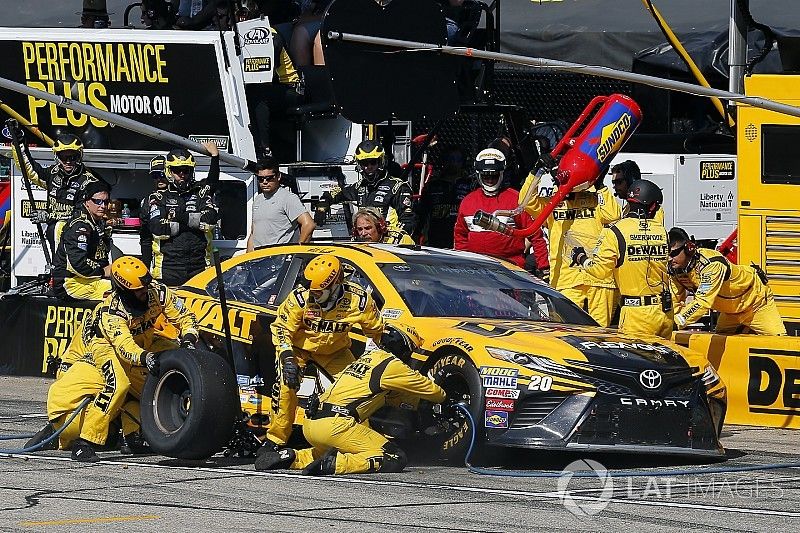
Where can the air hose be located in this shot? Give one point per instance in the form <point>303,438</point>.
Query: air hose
<point>609,473</point>
<point>49,439</point>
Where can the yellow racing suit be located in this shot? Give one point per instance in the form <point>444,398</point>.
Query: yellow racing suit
<point>105,359</point>
<point>395,235</point>
<point>376,379</point>
<point>744,302</point>
<point>317,334</point>
<point>635,251</point>
<point>577,221</point>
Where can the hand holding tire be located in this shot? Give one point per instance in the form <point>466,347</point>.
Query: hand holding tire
<point>150,360</point>
<point>189,341</point>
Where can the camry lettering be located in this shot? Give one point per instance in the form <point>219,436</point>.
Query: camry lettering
<point>654,403</point>
<point>588,345</point>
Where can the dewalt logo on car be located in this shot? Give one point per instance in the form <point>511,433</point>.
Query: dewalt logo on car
<point>209,317</point>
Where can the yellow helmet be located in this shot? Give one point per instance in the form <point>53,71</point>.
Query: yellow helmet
<point>370,150</point>
<point>180,158</point>
<point>129,273</point>
<point>323,272</point>
<point>68,153</point>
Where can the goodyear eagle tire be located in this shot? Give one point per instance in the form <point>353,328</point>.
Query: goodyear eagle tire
<point>190,409</point>
<point>457,375</point>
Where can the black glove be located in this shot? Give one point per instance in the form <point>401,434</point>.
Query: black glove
<point>291,370</point>
<point>189,341</point>
<point>14,125</point>
<point>320,213</point>
<point>150,360</point>
<point>599,183</point>
<point>578,256</point>
<point>543,274</point>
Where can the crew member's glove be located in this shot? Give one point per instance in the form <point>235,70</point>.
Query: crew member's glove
<point>193,220</point>
<point>579,256</point>
<point>599,183</point>
<point>39,216</point>
<point>543,274</point>
<point>189,341</point>
<point>291,370</point>
<point>14,125</point>
<point>150,360</point>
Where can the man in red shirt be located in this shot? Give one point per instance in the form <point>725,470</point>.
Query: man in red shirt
<point>491,197</point>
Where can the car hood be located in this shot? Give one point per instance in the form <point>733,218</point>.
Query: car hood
<point>571,343</point>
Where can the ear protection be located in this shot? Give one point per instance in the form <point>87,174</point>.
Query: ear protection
<point>379,221</point>
<point>690,245</point>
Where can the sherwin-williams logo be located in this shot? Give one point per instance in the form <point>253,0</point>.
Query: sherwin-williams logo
<point>612,136</point>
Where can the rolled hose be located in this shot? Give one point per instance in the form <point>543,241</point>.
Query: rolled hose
<point>610,473</point>
<point>49,439</point>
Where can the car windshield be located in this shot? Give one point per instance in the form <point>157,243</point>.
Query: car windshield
<point>481,291</point>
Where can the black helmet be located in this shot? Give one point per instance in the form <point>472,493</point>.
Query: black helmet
<point>179,158</point>
<point>68,152</point>
<point>399,343</point>
<point>644,194</point>
<point>370,150</point>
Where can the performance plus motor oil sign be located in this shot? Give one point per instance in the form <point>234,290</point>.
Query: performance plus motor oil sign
<point>173,86</point>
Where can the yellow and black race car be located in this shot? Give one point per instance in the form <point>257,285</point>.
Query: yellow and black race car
<point>536,370</point>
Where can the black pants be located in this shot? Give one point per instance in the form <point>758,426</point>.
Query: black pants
<point>268,103</point>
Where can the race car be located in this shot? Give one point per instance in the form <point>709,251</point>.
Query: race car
<point>535,370</point>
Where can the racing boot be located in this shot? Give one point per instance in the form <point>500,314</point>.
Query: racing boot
<point>324,466</point>
<point>267,446</point>
<point>83,451</point>
<point>134,444</point>
<point>42,435</point>
<point>275,460</point>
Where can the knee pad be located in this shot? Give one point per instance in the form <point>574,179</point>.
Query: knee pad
<point>394,458</point>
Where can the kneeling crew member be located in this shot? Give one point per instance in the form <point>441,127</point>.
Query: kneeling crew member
<point>80,265</point>
<point>314,325</point>
<point>368,226</point>
<point>739,292</point>
<point>120,343</point>
<point>635,251</point>
<point>335,425</point>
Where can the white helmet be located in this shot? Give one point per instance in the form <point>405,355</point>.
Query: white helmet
<point>490,164</point>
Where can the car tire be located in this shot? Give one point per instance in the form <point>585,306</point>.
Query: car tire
<point>190,409</point>
<point>457,375</point>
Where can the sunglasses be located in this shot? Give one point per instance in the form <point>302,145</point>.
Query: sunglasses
<point>69,157</point>
<point>618,181</point>
<point>677,251</point>
<point>369,162</point>
<point>182,170</point>
<point>100,201</point>
<point>267,178</point>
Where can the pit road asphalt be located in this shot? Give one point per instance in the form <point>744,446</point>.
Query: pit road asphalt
<point>46,491</point>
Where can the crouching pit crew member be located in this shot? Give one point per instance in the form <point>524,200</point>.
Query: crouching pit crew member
<point>368,226</point>
<point>335,424</point>
<point>634,250</point>
<point>118,347</point>
<point>80,265</point>
<point>313,325</point>
<point>740,293</point>
<point>183,217</point>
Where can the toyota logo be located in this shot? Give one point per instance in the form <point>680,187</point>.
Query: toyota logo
<point>650,379</point>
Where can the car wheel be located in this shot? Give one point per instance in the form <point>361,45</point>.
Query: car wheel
<point>457,375</point>
<point>190,409</point>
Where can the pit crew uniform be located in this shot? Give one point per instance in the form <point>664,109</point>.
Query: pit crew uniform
<point>388,195</point>
<point>635,251</point>
<point>469,236</point>
<point>182,224</point>
<point>81,257</point>
<point>376,379</point>
<point>579,218</point>
<point>396,236</point>
<point>745,303</point>
<point>110,351</point>
<point>63,191</point>
<point>319,335</point>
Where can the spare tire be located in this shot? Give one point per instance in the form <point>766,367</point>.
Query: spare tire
<point>189,411</point>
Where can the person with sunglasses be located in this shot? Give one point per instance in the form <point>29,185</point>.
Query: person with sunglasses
<point>279,217</point>
<point>634,252</point>
<point>80,266</point>
<point>622,176</point>
<point>739,292</point>
<point>182,218</point>
<point>64,181</point>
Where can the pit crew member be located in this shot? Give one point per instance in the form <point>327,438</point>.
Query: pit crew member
<point>576,221</point>
<point>369,226</point>
<point>335,425</point>
<point>119,346</point>
<point>490,197</point>
<point>634,251</point>
<point>313,325</point>
<point>739,292</point>
<point>622,176</point>
<point>64,181</point>
<point>375,189</point>
<point>160,183</point>
<point>183,217</point>
<point>81,268</point>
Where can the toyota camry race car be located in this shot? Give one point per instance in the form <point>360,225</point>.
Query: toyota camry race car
<point>535,370</point>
